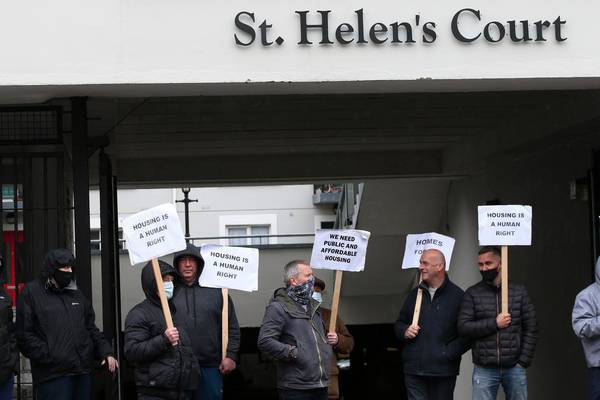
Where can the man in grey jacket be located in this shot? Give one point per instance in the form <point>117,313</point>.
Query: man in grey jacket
<point>293,333</point>
<point>586,324</point>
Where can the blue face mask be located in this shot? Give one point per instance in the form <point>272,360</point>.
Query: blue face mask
<point>169,289</point>
<point>317,296</point>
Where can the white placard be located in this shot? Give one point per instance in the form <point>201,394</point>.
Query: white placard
<point>153,233</point>
<point>416,244</point>
<point>505,225</point>
<point>229,267</point>
<point>340,249</point>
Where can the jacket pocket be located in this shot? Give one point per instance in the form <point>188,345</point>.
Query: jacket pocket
<point>306,367</point>
<point>164,373</point>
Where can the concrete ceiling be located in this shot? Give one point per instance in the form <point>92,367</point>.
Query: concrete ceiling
<point>237,139</point>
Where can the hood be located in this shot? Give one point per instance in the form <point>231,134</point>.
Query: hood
<point>56,259</point>
<point>598,271</point>
<point>191,251</point>
<point>149,283</point>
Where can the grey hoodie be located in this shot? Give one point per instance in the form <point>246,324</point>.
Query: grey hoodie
<point>586,320</point>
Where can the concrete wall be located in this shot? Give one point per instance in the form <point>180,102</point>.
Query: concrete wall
<point>194,43</point>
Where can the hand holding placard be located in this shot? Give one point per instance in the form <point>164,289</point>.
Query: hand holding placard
<point>227,268</point>
<point>505,226</point>
<point>416,244</point>
<point>339,250</point>
<point>151,234</point>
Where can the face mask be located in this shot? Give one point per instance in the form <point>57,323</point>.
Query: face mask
<point>317,296</point>
<point>490,275</point>
<point>168,289</point>
<point>302,293</point>
<point>62,278</point>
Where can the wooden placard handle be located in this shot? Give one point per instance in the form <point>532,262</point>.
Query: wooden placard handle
<point>504,273</point>
<point>417,312</point>
<point>418,302</point>
<point>336,301</point>
<point>225,322</point>
<point>161,293</point>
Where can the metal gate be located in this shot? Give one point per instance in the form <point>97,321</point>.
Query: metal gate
<point>33,199</point>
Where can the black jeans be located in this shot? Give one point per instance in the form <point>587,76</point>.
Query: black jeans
<point>429,387</point>
<point>302,394</point>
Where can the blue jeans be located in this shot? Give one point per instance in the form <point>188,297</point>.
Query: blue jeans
<point>594,383</point>
<point>487,380</point>
<point>6,389</point>
<point>74,387</point>
<point>210,385</point>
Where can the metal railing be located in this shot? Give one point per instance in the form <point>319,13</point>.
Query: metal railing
<point>96,243</point>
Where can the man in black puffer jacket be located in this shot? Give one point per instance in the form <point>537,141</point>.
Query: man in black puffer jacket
<point>165,365</point>
<point>502,344</point>
<point>56,331</point>
<point>9,355</point>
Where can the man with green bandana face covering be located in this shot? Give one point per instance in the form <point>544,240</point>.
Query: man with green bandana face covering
<point>293,333</point>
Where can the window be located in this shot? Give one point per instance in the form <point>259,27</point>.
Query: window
<point>253,227</point>
<point>326,221</point>
<point>327,224</point>
<point>96,243</point>
<point>252,235</point>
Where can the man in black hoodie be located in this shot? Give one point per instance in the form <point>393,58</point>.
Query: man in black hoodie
<point>56,331</point>
<point>165,366</point>
<point>202,309</point>
<point>9,355</point>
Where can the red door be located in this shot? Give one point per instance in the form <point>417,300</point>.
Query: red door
<point>11,262</point>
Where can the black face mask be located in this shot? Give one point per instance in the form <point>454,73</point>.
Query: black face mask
<point>490,275</point>
<point>62,278</point>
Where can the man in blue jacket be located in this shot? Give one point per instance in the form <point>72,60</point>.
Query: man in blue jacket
<point>432,349</point>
